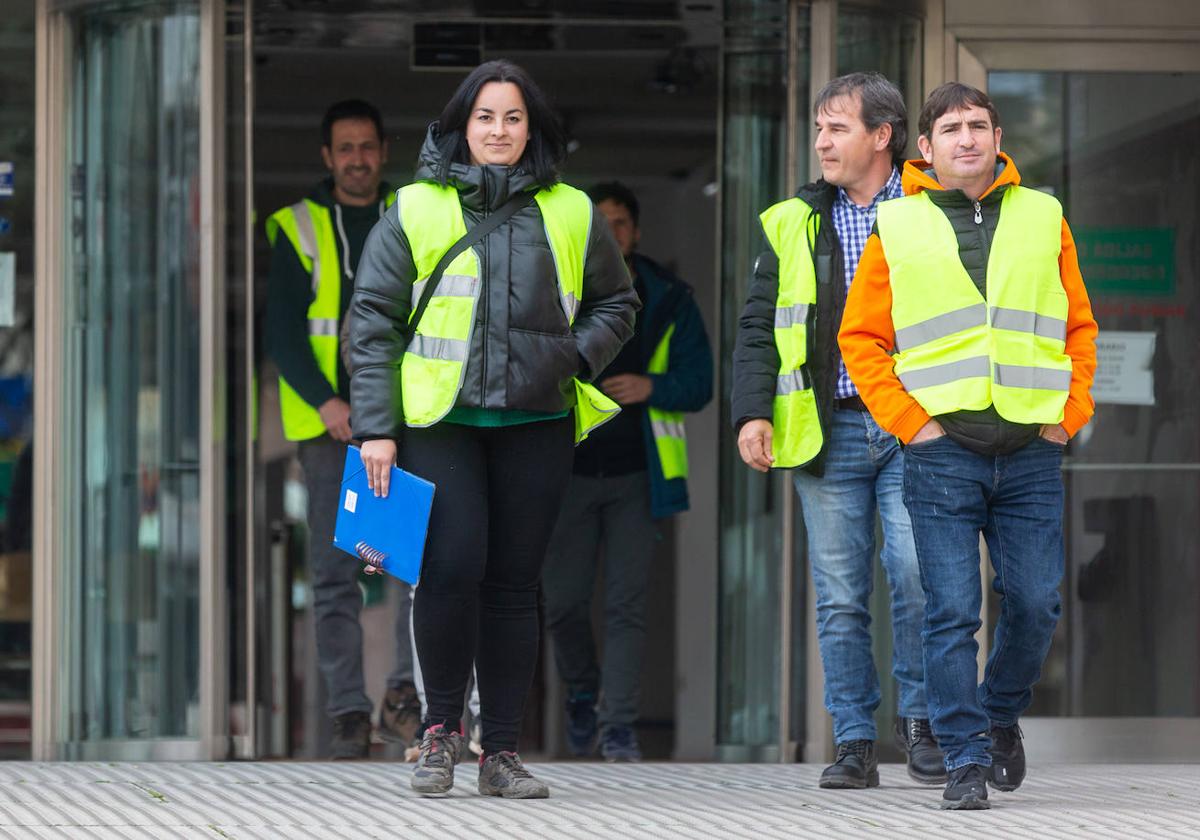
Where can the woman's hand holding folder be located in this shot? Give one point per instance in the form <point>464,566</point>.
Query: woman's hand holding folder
<point>378,457</point>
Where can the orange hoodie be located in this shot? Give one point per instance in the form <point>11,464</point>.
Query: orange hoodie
<point>867,337</point>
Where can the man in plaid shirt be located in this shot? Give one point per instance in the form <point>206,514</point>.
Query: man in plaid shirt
<point>849,468</point>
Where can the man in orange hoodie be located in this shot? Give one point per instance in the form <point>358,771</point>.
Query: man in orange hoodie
<point>969,335</point>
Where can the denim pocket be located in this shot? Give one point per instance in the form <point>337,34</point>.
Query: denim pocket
<point>926,444</point>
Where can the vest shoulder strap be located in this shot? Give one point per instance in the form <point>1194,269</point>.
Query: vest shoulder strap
<point>299,224</point>
<point>780,221</point>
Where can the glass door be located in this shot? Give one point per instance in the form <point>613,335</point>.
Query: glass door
<point>1118,148</point>
<point>136,548</point>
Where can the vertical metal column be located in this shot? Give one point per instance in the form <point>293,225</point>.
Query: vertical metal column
<point>50,178</point>
<point>253,744</point>
<point>787,747</point>
<point>214,624</point>
<point>818,730</point>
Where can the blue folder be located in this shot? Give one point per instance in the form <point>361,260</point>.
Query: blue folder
<point>388,533</point>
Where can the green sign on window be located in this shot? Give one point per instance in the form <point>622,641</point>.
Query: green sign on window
<point>1138,262</point>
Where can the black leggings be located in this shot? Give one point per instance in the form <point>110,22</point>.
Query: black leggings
<point>497,500</point>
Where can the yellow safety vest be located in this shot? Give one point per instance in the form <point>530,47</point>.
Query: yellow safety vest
<point>791,227</point>
<point>958,351</point>
<point>669,437</point>
<point>309,227</point>
<point>435,361</point>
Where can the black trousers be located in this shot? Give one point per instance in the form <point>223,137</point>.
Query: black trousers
<point>498,495</point>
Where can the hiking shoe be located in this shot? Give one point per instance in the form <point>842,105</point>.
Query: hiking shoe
<point>351,736</point>
<point>619,743</point>
<point>581,724</point>
<point>856,767</point>
<point>503,774</point>
<point>923,758</point>
<point>400,714</point>
<point>440,749</point>
<point>1008,757</point>
<point>967,789</point>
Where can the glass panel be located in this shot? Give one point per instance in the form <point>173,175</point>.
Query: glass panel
<point>16,374</point>
<point>130,577</point>
<point>886,42</point>
<point>1119,150</point>
<point>889,43</point>
<point>752,178</point>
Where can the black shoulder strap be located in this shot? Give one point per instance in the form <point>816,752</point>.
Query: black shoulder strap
<point>476,234</point>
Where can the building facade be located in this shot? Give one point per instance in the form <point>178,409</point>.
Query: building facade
<point>148,589</point>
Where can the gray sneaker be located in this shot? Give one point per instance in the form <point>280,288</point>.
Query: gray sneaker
<point>440,749</point>
<point>503,774</point>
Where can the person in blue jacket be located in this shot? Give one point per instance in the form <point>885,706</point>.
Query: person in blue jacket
<point>630,473</point>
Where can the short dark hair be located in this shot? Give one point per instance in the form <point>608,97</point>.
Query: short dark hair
<point>880,102</point>
<point>547,144</point>
<point>954,96</point>
<point>349,109</point>
<point>618,192</point>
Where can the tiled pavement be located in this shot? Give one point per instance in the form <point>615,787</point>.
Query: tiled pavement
<point>588,800</point>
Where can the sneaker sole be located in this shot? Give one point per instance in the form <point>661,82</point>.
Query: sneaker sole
<point>967,803</point>
<point>432,787</point>
<point>851,784</point>
<point>509,794</point>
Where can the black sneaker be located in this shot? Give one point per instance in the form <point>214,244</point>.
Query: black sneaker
<point>581,724</point>
<point>856,767</point>
<point>967,789</point>
<point>619,743</point>
<point>1008,757</point>
<point>351,736</point>
<point>924,759</point>
<point>400,714</point>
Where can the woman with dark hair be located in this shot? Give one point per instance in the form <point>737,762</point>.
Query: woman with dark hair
<point>484,392</point>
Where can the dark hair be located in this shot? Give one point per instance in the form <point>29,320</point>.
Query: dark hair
<point>954,96</point>
<point>618,192</point>
<point>349,109</point>
<point>880,102</point>
<point>547,144</point>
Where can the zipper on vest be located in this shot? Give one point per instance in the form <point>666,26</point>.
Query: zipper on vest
<point>984,246</point>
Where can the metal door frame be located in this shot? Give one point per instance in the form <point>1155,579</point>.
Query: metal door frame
<point>51,478</point>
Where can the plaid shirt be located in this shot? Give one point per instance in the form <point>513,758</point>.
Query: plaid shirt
<point>853,225</point>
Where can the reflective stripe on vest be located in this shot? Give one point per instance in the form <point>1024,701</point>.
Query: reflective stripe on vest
<point>435,361</point>
<point>309,228</point>
<point>956,350</point>
<point>670,439</point>
<point>791,228</point>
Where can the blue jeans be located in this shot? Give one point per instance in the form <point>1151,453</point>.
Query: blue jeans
<point>863,471</point>
<point>1016,501</point>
